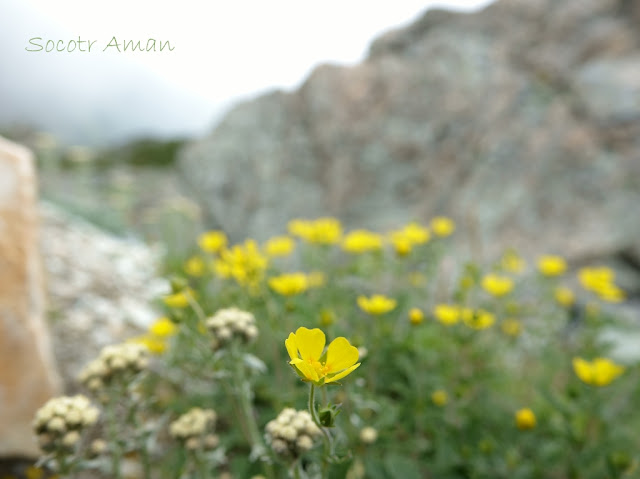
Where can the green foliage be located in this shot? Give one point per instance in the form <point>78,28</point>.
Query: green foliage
<point>442,395</point>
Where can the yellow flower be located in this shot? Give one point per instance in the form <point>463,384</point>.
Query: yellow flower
<point>212,241</point>
<point>564,296</point>
<point>416,316</point>
<point>243,262</point>
<point>497,285</point>
<point>362,241</point>
<point>525,419</point>
<point>512,262</point>
<point>376,304</point>
<point>550,265</point>
<point>279,246</point>
<point>416,233</point>
<point>611,293</point>
<point>178,300</point>
<point>319,231</point>
<point>447,314</point>
<point>306,350</point>
<point>289,284</point>
<point>599,372</point>
<point>442,226</point>
<point>154,344</point>
<point>163,328</point>
<point>593,278</point>
<point>440,397</point>
<point>33,472</point>
<point>327,317</point>
<point>401,243</point>
<point>479,320</point>
<point>601,281</point>
<point>194,266</point>
<point>511,327</point>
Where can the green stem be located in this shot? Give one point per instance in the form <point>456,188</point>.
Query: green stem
<point>197,308</point>
<point>116,453</point>
<point>326,437</point>
<point>201,466</point>
<point>243,391</point>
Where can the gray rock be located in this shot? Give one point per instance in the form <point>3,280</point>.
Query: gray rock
<point>520,122</point>
<point>101,288</point>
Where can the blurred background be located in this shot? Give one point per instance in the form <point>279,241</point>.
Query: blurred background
<point>519,120</point>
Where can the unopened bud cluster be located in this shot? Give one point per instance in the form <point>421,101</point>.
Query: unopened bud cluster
<point>120,360</point>
<point>231,323</point>
<point>292,433</point>
<point>59,423</point>
<point>195,429</point>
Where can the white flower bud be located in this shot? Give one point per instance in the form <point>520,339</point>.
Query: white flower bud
<point>279,446</point>
<point>304,443</point>
<point>289,433</point>
<point>224,334</point>
<point>56,424</point>
<point>71,438</point>
<point>192,443</point>
<point>211,441</point>
<point>98,447</point>
<point>368,435</point>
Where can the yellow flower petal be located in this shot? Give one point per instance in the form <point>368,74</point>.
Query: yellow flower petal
<point>292,346</point>
<point>344,373</point>
<point>582,369</point>
<point>307,370</point>
<point>341,355</point>
<point>310,343</point>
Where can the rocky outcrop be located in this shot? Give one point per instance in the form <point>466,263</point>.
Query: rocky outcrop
<point>28,376</point>
<point>520,121</point>
<point>101,288</point>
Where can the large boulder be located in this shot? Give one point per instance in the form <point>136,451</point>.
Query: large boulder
<point>519,121</point>
<point>28,376</point>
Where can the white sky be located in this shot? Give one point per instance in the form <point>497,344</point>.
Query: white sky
<point>230,49</point>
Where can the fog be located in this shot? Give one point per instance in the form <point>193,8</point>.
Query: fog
<point>221,55</point>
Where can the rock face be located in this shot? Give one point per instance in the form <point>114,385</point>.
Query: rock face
<point>521,121</point>
<point>28,376</point>
<point>101,288</point>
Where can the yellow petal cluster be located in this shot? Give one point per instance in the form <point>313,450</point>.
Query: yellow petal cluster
<point>289,284</point>
<point>511,327</point>
<point>512,262</point>
<point>179,299</point>
<point>416,316</point>
<point>243,262</point>
<point>212,241</point>
<point>550,265</point>
<point>320,231</point>
<point>376,304</point>
<point>564,296</point>
<point>479,319</point>
<point>600,280</point>
<point>599,372</point>
<point>497,285</point>
<point>525,419</point>
<point>279,246</point>
<point>405,239</point>
<point>439,397</point>
<point>442,226</point>
<point>362,241</point>
<point>194,266</point>
<point>313,363</point>
<point>447,314</point>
